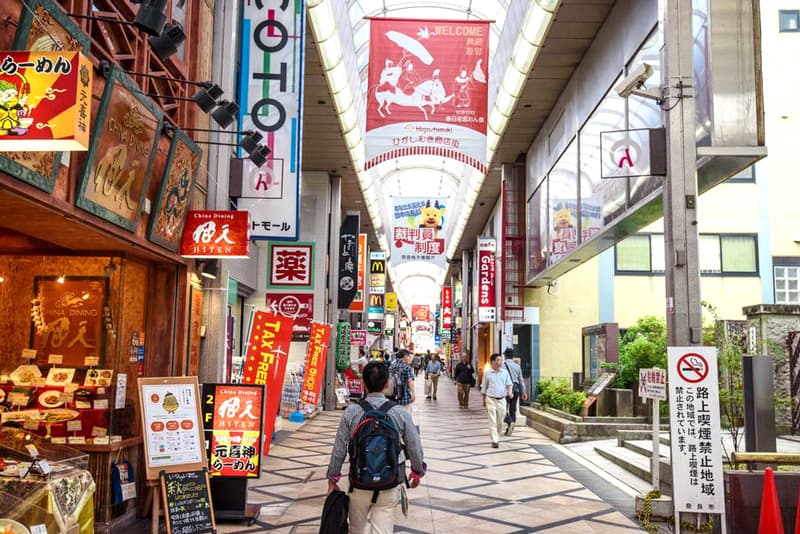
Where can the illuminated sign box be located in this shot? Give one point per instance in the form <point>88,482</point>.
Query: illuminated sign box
<point>216,234</point>
<point>45,101</point>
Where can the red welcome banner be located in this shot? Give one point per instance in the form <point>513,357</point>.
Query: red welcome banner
<point>428,90</point>
<point>265,362</point>
<point>316,354</point>
<point>216,234</point>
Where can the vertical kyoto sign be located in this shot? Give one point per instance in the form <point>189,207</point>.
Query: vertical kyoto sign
<point>695,435</point>
<point>265,362</point>
<point>361,284</point>
<point>418,230</point>
<point>316,354</point>
<point>348,261</point>
<point>271,96</point>
<point>427,90</point>
<point>487,305</point>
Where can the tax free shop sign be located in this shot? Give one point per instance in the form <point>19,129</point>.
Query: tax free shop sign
<point>271,96</point>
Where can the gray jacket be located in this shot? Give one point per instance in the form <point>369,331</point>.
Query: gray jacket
<point>516,374</point>
<point>405,426</point>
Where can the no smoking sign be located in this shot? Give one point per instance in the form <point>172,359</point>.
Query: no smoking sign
<point>692,368</point>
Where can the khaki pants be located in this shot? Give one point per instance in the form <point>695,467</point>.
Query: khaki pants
<point>368,518</point>
<point>496,410</point>
<point>434,385</point>
<point>463,395</point>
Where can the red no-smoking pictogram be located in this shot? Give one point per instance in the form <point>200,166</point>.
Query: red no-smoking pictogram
<point>692,368</point>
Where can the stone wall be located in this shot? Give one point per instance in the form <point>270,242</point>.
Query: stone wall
<point>768,327</point>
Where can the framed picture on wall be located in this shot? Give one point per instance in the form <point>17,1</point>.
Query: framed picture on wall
<point>68,318</point>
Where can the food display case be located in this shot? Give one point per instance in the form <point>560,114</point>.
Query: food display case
<point>44,483</point>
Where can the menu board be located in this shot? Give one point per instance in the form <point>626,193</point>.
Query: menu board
<point>173,435</point>
<point>187,502</point>
<point>233,419</point>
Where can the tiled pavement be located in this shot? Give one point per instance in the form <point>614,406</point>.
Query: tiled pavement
<point>526,485</point>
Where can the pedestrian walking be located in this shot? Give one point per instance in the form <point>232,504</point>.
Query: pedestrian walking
<point>433,372</point>
<point>401,369</point>
<point>377,471</point>
<point>465,379</point>
<point>496,387</point>
<point>517,390</point>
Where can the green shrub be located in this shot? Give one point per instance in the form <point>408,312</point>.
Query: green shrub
<point>558,394</point>
<point>644,345</point>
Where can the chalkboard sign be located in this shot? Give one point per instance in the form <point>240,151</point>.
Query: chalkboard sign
<point>187,502</point>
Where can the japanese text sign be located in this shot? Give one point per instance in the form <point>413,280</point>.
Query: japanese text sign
<point>348,261</point>
<point>125,137</point>
<point>232,419</point>
<point>390,302</point>
<point>653,383</point>
<point>316,353</point>
<point>358,301</point>
<point>291,266</point>
<point>428,91</point>
<point>216,234</point>
<point>342,345</point>
<point>628,153</point>
<point>298,306</point>
<point>487,310</point>
<point>447,307</point>
<point>695,435</point>
<point>377,273</point>
<point>45,101</point>
<point>418,230</point>
<point>265,361</point>
<point>270,94</point>
<point>358,337</point>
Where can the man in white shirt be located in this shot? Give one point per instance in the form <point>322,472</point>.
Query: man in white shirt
<point>496,388</point>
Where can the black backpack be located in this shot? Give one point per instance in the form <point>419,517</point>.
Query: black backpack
<point>334,514</point>
<point>375,448</point>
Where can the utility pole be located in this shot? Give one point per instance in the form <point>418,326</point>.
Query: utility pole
<point>682,268</point>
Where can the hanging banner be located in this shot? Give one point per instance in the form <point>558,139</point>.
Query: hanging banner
<point>358,337</point>
<point>487,306</point>
<point>447,308</point>
<point>216,234</point>
<point>420,312</point>
<point>376,307</point>
<point>427,90</point>
<point>418,230</point>
<point>45,101</point>
<point>377,274</point>
<point>390,302</point>
<point>342,345</point>
<point>298,306</point>
<point>265,362</point>
<point>348,257</point>
<point>270,95</point>
<point>232,419</point>
<point>316,353</point>
<point>357,305</point>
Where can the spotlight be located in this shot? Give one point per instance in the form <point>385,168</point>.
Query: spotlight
<point>2,279</point>
<point>206,97</point>
<point>61,278</point>
<point>208,269</point>
<point>151,18</point>
<point>250,142</point>
<point>225,113</point>
<point>259,155</point>
<point>167,43</point>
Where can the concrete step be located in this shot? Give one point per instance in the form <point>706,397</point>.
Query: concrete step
<point>637,464</point>
<point>625,435</point>
<point>645,448</point>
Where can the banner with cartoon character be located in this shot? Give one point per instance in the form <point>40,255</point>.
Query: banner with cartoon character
<point>564,234</point>
<point>418,230</point>
<point>428,90</point>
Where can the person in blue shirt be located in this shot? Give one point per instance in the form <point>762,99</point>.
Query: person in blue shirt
<point>496,388</point>
<point>432,373</point>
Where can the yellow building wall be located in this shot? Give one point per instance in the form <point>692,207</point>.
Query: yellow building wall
<point>563,312</point>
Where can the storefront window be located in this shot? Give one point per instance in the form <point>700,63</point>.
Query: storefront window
<point>537,231</point>
<point>563,217</point>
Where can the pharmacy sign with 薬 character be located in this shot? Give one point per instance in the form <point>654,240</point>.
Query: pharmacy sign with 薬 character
<point>695,435</point>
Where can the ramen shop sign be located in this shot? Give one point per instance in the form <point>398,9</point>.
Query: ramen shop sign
<point>45,101</point>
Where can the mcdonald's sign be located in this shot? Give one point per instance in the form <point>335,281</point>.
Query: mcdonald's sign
<point>377,266</point>
<point>376,304</point>
<point>377,274</point>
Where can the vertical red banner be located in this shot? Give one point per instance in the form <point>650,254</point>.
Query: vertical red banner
<point>266,361</point>
<point>447,307</point>
<point>487,307</point>
<point>316,354</point>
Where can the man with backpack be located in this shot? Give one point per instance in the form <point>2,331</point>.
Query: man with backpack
<point>379,436</point>
<point>401,388</point>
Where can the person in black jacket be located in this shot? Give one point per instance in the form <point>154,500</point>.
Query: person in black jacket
<point>465,379</point>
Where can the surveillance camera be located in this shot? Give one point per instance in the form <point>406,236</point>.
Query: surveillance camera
<point>634,81</point>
